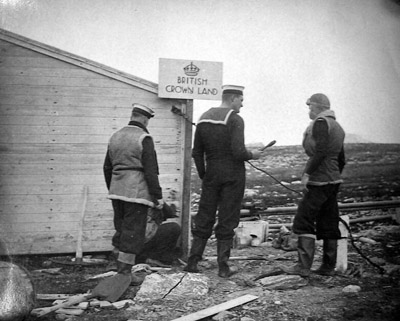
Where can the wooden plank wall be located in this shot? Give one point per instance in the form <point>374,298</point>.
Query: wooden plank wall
<point>55,122</point>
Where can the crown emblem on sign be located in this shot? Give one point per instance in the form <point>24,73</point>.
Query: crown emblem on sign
<point>191,70</point>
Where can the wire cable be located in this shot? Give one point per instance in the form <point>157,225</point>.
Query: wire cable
<point>275,179</point>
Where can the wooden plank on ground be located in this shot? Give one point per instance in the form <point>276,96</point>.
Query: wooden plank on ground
<point>217,308</point>
<point>52,297</point>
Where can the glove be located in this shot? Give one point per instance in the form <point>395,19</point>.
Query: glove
<point>159,204</point>
<point>169,211</point>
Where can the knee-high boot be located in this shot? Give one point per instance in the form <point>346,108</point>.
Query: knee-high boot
<point>196,253</point>
<point>126,269</point>
<point>112,265</point>
<point>329,254</point>
<point>305,251</point>
<point>224,252</point>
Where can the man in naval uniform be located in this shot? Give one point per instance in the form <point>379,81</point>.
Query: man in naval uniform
<point>219,154</point>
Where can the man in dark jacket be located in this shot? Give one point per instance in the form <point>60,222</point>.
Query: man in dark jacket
<point>318,214</point>
<point>160,248</point>
<point>219,153</point>
<point>161,240</point>
<point>131,175</point>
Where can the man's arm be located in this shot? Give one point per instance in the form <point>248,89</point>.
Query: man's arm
<point>321,136</point>
<point>150,167</point>
<point>341,160</point>
<point>198,154</point>
<point>236,129</point>
<point>107,169</point>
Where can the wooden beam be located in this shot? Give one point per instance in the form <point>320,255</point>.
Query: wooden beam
<point>187,166</point>
<point>217,308</point>
<point>291,210</point>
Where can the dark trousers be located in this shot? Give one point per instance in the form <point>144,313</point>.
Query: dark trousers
<point>222,189</point>
<point>130,224</point>
<point>318,212</point>
<point>163,245</point>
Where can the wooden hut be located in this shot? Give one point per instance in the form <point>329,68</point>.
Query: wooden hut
<point>57,113</point>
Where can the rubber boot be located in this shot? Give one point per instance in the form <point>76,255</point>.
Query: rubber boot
<point>224,252</point>
<point>305,251</point>
<point>196,253</point>
<point>329,254</point>
<point>112,265</point>
<point>126,269</point>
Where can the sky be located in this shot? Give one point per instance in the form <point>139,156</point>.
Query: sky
<point>281,51</point>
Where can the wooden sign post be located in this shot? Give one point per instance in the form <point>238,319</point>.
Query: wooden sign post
<point>188,80</point>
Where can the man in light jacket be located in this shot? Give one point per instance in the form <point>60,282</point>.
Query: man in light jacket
<point>317,216</point>
<point>131,175</point>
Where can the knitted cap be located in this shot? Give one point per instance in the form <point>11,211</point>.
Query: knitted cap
<point>319,99</point>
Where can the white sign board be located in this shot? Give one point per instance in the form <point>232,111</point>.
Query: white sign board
<point>189,79</point>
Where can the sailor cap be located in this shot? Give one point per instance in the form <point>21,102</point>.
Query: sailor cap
<point>142,109</point>
<point>232,89</point>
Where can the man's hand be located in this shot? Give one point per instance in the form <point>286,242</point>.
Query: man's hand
<point>256,154</point>
<point>159,204</point>
<point>304,181</point>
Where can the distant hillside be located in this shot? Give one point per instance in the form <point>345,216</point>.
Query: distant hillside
<point>355,139</point>
<point>349,139</point>
<point>372,172</point>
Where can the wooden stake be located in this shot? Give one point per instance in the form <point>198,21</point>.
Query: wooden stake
<point>341,258</point>
<point>78,256</point>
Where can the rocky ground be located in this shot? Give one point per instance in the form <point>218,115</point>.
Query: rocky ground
<point>316,298</point>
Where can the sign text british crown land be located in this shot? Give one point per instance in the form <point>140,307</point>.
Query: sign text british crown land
<point>189,79</point>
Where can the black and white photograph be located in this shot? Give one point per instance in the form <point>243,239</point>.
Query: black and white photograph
<point>187,160</point>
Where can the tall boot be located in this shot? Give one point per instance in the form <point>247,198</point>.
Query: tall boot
<point>126,269</point>
<point>224,252</point>
<point>305,251</point>
<point>329,254</point>
<point>112,265</point>
<point>196,253</point>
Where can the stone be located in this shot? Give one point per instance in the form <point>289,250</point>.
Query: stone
<point>351,289</point>
<point>123,303</point>
<point>17,295</point>
<point>283,282</point>
<point>172,286</point>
